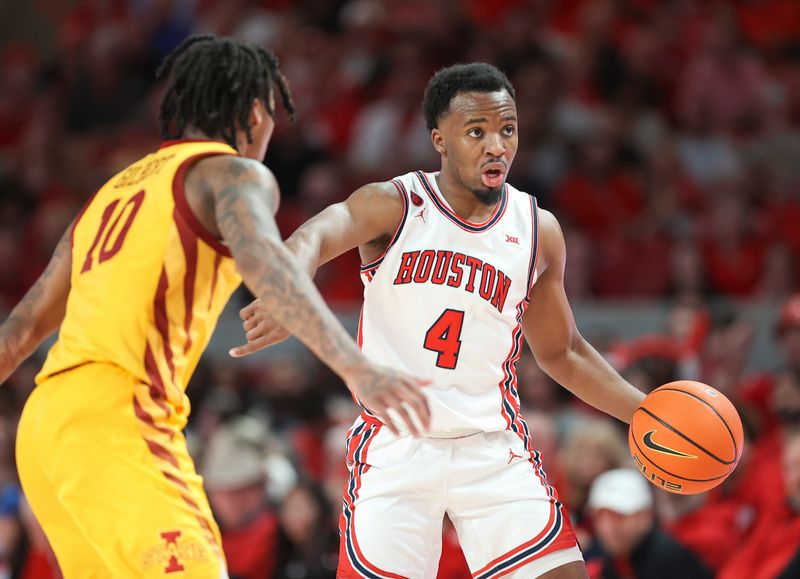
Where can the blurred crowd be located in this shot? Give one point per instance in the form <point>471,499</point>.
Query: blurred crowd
<point>664,134</point>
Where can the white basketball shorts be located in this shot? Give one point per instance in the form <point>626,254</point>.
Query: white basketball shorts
<point>509,520</point>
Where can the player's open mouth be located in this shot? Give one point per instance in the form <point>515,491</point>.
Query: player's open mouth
<point>493,175</point>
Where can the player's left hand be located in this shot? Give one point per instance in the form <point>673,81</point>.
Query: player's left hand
<point>260,329</point>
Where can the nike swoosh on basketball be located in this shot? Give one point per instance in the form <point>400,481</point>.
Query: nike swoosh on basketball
<point>648,442</point>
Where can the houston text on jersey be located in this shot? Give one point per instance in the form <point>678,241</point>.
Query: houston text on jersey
<point>456,270</point>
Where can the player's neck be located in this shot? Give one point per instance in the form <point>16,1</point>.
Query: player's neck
<point>463,201</point>
<point>192,133</point>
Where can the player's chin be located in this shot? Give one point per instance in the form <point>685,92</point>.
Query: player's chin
<point>488,195</point>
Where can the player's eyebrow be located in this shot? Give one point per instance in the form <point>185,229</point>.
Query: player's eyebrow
<point>478,120</point>
<point>474,121</point>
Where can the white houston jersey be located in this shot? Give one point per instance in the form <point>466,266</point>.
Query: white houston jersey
<point>445,303</point>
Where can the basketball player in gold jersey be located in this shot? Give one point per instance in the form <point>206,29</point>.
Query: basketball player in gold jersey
<point>136,285</point>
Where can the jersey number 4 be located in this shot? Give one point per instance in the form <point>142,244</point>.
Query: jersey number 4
<point>112,244</point>
<point>444,337</point>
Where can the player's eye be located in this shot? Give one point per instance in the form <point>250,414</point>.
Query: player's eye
<point>509,130</point>
<point>475,132</point>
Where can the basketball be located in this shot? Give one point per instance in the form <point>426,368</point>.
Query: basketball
<point>686,437</point>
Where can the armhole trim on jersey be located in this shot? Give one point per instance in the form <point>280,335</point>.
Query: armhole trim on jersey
<point>401,190</point>
<point>182,205</point>
<point>534,245</point>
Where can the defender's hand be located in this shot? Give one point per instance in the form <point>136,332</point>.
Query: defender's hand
<point>382,389</point>
<point>260,329</point>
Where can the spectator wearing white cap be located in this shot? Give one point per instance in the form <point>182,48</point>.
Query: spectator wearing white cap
<point>235,473</point>
<point>629,544</point>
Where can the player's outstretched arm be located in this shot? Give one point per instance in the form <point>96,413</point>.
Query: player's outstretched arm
<point>243,194</point>
<point>558,347</point>
<point>39,313</point>
<point>366,219</point>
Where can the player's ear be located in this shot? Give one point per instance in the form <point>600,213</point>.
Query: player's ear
<point>257,113</point>
<point>438,142</point>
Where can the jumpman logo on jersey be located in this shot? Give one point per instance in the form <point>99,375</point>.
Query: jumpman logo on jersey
<point>512,455</point>
<point>421,214</point>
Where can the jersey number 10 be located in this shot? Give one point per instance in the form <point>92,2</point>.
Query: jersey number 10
<point>111,245</point>
<point>444,337</point>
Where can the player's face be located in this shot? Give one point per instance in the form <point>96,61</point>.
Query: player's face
<point>477,138</point>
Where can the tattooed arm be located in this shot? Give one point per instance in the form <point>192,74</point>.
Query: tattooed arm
<point>235,198</point>
<point>39,313</point>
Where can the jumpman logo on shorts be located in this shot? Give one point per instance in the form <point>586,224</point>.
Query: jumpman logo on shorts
<point>512,455</point>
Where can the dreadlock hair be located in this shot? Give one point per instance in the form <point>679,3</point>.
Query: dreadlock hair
<point>212,84</point>
<point>450,81</point>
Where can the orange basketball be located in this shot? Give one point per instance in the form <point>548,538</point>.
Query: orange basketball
<point>686,437</point>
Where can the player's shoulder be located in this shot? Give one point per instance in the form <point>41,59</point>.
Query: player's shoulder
<point>379,195</point>
<point>225,166</point>
<point>215,176</point>
<point>216,173</point>
<point>379,206</point>
<point>548,221</point>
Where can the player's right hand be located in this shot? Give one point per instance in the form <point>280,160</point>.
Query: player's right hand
<point>383,390</point>
<point>260,329</point>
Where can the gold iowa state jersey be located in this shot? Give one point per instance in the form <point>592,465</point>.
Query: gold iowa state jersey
<point>148,281</point>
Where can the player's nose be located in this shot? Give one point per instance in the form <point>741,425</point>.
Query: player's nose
<point>494,146</point>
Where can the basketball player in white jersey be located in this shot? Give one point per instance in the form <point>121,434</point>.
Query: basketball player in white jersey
<point>459,266</point>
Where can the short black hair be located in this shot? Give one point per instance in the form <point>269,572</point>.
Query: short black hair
<point>212,84</point>
<point>450,81</point>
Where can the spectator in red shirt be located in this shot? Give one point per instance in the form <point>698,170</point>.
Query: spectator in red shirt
<point>776,539</point>
<point>599,197</point>
<point>713,529</point>
<point>733,252</point>
<point>756,391</point>
<point>763,479</point>
<point>235,478</point>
